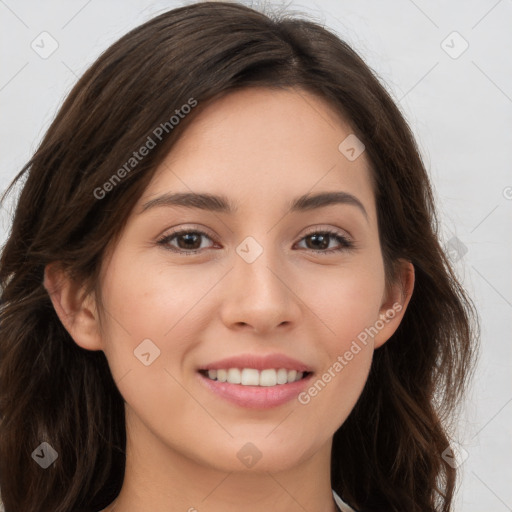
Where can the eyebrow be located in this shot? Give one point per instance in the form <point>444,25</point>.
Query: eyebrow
<point>221,204</point>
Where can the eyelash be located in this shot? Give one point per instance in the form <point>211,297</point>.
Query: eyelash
<point>345,243</point>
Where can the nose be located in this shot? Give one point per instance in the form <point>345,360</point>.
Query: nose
<point>259,295</point>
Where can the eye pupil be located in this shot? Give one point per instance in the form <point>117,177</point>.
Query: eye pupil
<point>190,238</point>
<point>324,239</point>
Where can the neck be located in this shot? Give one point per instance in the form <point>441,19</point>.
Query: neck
<point>159,478</point>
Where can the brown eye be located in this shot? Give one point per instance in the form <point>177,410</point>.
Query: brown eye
<point>320,241</point>
<point>188,241</point>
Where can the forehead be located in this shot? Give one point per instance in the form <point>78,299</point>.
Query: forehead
<point>264,144</point>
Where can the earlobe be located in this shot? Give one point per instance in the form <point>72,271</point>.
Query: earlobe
<point>395,303</point>
<point>77,312</point>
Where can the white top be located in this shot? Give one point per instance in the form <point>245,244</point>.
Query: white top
<point>343,506</point>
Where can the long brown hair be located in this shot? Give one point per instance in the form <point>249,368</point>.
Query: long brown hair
<point>387,454</point>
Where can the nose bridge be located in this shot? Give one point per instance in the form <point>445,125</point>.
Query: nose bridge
<point>256,263</point>
<point>257,294</point>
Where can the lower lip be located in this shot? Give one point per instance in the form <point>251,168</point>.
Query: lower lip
<point>256,397</point>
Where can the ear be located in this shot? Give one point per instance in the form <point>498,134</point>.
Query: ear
<point>394,304</point>
<point>76,311</point>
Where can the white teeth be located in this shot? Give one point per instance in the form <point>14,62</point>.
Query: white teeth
<point>282,376</point>
<point>268,378</point>
<point>234,376</point>
<point>251,377</point>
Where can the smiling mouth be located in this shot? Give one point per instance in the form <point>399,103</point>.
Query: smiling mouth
<point>252,377</point>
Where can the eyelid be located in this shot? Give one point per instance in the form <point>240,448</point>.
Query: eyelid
<point>329,229</point>
<point>174,230</point>
<point>207,232</point>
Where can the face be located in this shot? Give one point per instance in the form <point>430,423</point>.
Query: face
<point>298,289</point>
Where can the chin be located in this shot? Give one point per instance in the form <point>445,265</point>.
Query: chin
<point>260,454</point>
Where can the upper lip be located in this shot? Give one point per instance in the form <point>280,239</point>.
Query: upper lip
<point>258,362</point>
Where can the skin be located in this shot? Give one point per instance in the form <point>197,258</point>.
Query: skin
<point>261,148</point>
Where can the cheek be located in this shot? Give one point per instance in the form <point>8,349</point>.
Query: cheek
<point>346,302</point>
<point>151,325</point>
<point>147,300</point>
<point>334,391</point>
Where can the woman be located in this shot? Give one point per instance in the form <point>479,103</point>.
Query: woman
<point>223,287</point>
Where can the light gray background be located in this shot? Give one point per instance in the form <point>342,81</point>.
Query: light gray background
<point>459,108</point>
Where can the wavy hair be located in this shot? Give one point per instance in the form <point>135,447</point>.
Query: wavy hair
<point>387,454</point>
